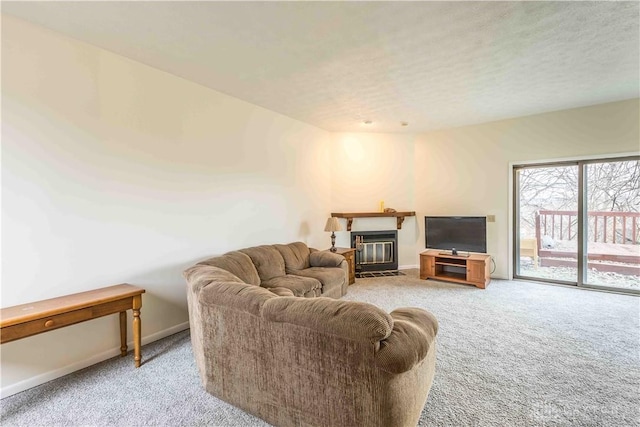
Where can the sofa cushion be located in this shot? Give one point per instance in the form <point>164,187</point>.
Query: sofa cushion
<point>236,263</point>
<point>267,261</point>
<point>300,286</point>
<point>296,256</point>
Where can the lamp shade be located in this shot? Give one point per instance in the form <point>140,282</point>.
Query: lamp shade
<point>332,225</point>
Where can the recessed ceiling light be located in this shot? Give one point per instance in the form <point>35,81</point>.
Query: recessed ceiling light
<point>367,122</point>
<point>404,123</point>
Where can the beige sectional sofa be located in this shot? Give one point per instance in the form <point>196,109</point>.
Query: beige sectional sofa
<point>304,271</point>
<point>305,361</point>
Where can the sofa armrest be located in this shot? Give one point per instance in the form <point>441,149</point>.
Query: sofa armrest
<point>325,259</point>
<point>424,320</point>
<point>353,320</point>
<point>413,335</point>
<point>283,292</point>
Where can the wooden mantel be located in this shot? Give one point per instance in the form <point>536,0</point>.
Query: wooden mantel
<point>350,215</point>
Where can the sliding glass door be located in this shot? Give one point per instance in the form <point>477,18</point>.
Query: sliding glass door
<point>613,221</point>
<point>578,223</point>
<point>547,231</point>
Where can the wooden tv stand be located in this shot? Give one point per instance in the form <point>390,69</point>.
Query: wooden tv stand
<point>470,270</point>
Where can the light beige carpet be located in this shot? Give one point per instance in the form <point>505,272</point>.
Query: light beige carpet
<point>515,354</point>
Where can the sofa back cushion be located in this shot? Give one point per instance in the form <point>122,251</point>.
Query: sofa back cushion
<point>296,256</point>
<point>214,286</point>
<point>353,320</point>
<point>267,260</point>
<point>238,264</point>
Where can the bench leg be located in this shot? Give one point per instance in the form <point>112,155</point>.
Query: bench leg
<point>137,304</point>
<point>123,333</point>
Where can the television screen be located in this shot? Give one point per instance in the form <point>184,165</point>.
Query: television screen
<point>462,233</point>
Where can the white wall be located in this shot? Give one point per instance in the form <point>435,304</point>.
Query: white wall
<point>114,172</point>
<point>368,168</point>
<point>466,171</point>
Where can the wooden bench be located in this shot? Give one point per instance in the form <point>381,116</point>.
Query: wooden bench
<point>25,320</point>
<point>529,248</point>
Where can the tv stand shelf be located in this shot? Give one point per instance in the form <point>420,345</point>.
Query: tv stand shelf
<point>470,270</point>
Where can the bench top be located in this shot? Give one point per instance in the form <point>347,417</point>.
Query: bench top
<point>50,307</point>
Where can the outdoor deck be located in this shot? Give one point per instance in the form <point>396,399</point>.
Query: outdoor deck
<point>613,242</point>
<point>618,258</point>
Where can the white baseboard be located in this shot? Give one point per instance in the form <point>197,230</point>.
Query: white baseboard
<point>407,267</point>
<point>163,334</point>
<point>57,373</point>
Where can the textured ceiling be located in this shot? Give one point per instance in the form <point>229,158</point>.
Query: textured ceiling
<point>335,64</point>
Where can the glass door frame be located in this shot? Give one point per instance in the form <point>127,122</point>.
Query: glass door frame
<point>582,254</point>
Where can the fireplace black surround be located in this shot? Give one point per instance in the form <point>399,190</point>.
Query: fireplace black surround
<point>375,250</point>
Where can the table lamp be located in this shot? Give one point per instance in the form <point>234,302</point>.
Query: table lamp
<point>333,225</point>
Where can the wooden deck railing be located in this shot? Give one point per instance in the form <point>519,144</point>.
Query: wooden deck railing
<point>608,230</point>
<point>606,227</point>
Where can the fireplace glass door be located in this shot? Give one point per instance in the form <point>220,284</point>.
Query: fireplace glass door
<point>375,250</point>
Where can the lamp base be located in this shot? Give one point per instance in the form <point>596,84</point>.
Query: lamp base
<point>333,242</point>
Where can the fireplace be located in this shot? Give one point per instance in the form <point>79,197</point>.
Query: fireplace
<point>375,250</point>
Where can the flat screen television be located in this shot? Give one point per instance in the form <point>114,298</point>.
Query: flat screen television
<point>459,233</point>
